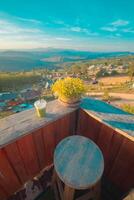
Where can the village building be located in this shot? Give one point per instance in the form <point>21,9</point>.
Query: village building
<point>30,94</point>
<point>8,96</point>
<point>2,105</point>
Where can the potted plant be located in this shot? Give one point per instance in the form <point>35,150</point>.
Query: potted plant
<point>69,90</point>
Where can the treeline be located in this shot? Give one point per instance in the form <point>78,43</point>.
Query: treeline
<point>12,81</point>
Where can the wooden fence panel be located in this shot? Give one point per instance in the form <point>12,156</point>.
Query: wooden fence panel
<point>40,147</point>
<point>104,141</point>
<point>29,155</point>
<point>49,140</point>
<point>25,158</point>
<point>115,145</point>
<point>16,161</point>
<point>3,194</point>
<point>118,151</point>
<point>8,179</point>
<point>63,129</point>
<point>122,172</point>
<point>88,127</point>
<point>82,122</point>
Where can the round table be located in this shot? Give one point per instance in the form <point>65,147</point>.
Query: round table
<point>79,163</point>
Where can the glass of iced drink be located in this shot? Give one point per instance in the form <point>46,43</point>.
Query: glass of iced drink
<point>40,106</point>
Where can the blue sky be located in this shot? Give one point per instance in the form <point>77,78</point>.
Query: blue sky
<point>94,25</point>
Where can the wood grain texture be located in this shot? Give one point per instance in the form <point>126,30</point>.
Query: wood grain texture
<point>3,194</point>
<point>68,193</point>
<point>87,126</point>
<point>49,140</point>
<point>105,144</point>
<point>23,159</point>
<point>78,162</point>
<point>113,117</point>
<point>29,155</point>
<point>27,144</point>
<point>16,161</point>
<point>20,124</point>
<point>126,179</point>
<point>40,148</point>
<point>8,179</point>
<point>116,151</point>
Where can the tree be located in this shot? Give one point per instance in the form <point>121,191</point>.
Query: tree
<point>106,96</point>
<point>114,72</point>
<point>102,73</point>
<point>75,69</point>
<point>131,71</point>
<point>83,69</point>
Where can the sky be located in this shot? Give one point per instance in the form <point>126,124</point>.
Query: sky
<point>93,25</point>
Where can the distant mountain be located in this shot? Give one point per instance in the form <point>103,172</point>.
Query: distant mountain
<point>19,60</point>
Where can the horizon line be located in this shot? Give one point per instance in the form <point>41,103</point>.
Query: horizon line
<point>71,49</point>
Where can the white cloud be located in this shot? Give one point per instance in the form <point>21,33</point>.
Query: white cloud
<point>108,28</point>
<point>128,30</point>
<point>118,34</point>
<point>115,26</point>
<point>12,18</point>
<point>78,29</point>
<point>60,22</point>
<point>120,22</point>
<point>29,20</point>
<point>7,27</point>
<point>114,36</point>
<point>63,39</point>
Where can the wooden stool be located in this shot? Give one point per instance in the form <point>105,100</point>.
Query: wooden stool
<point>78,165</point>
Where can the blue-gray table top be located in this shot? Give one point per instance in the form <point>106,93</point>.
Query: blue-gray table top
<point>79,162</point>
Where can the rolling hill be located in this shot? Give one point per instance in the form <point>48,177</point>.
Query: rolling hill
<point>26,60</point>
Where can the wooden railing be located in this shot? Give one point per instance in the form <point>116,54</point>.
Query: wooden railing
<point>26,157</point>
<point>118,150</point>
<point>27,154</point>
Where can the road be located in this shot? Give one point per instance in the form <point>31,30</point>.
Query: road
<point>123,96</point>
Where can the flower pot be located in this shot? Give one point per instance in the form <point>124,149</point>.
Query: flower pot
<point>72,102</point>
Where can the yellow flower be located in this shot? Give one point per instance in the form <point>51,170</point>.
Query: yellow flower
<point>69,88</point>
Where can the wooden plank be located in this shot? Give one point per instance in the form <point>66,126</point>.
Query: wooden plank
<point>91,126</point>
<point>55,192</point>
<point>40,147</point>
<point>3,194</point>
<point>16,161</point>
<point>73,120</point>
<point>63,128</point>
<point>87,196</point>
<point>60,187</point>
<point>104,142</point>
<point>28,153</point>
<point>8,179</point>
<point>20,124</point>
<point>49,142</point>
<point>122,173</point>
<point>82,119</point>
<point>116,143</point>
<point>68,193</point>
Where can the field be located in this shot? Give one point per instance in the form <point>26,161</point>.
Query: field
<point>114,80</point>
<point>16,81</point>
